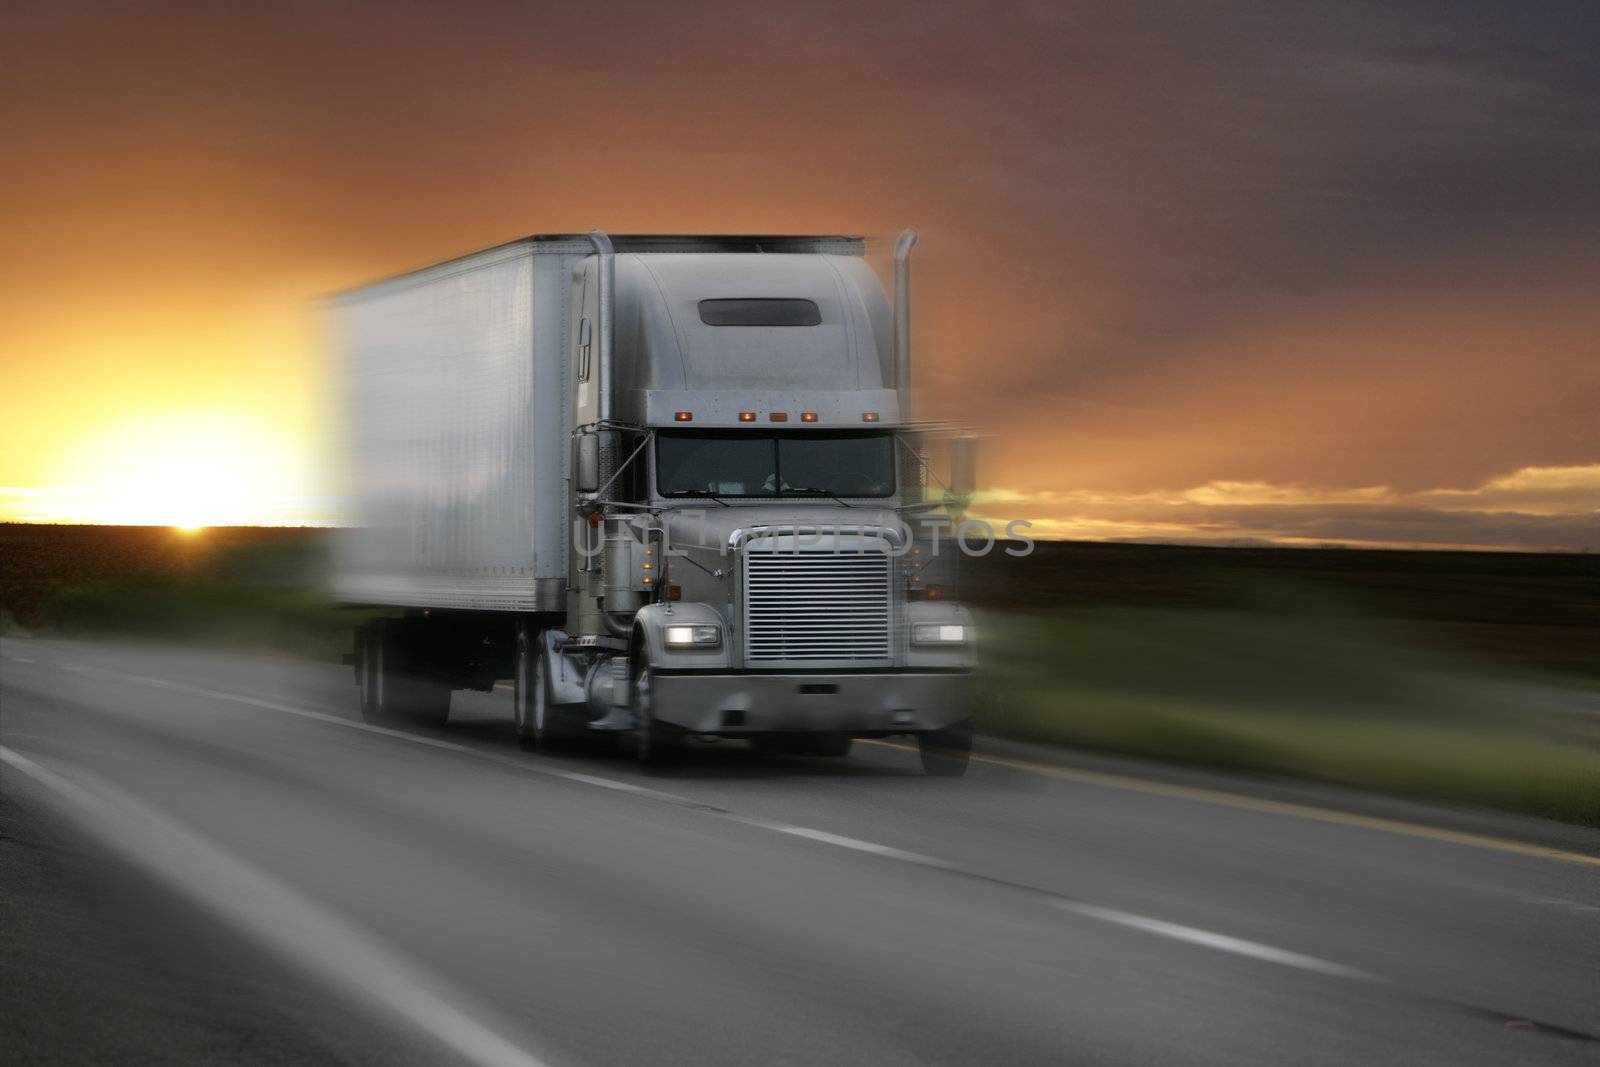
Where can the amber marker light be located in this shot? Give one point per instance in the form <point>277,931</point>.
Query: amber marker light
<point>683,416</point>
<point>747,416</point>
<point>869,416</point>
<point>779,416</point>
<point>808,416</point>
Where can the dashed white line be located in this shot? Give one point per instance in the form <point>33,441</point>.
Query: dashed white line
<point>1562,904</point>
<point>1193,935</point>
<point>271,913</point>
<point>855,844</point>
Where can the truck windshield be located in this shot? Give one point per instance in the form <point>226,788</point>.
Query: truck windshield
<point>805,464</point>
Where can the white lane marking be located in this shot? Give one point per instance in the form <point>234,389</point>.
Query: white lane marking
<point>21,659</point>
<point>1562,903</point>
<point>855,844</point>
<point>278,917</point>
<point>1221,942</point>
<point>1189,934</point>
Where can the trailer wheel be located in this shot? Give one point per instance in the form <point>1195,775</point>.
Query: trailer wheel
<point>399,690</point>
<point>367,673</point>
<point>530,699</point>
<point>380,682</point>
<point>946,752</point>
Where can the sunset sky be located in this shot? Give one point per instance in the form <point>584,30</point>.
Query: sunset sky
<point>1296,272</point>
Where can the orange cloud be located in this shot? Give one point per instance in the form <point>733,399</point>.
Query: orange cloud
<point>1533,509</point>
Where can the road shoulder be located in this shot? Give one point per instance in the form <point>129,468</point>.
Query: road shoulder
<point>1131,772</point>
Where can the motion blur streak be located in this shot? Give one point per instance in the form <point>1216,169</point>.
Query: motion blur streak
<point>266,909</point>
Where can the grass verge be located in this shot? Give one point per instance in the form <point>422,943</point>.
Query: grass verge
<point>1330,700</point>
<point>263,596</point>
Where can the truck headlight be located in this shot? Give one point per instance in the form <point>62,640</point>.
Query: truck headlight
<point>940,633</point>
<point>693,636</point>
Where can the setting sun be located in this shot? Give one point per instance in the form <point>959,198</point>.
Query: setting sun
<point>186,469</point>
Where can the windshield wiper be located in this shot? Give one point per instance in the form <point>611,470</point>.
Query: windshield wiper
<point>699,494</point>
<point>804,490</point>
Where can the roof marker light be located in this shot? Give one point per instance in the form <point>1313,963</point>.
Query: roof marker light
<point>683,416</point>
<point>778,416</point>
<point>747,416</point>
<point>808,416</point>
<point>869,416</point>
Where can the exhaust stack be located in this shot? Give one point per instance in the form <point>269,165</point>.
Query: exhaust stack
<point>607,302</point>
<point>902,319</point>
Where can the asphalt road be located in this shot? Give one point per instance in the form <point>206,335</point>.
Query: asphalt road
<point>207,858</point>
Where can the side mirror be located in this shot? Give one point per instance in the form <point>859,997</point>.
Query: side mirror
<point>963,467</point>
<point>586,463</point>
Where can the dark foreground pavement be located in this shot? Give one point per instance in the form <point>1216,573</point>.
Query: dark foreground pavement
<point>207,859</point>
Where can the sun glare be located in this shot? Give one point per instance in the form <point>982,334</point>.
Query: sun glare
<point>186,470</point>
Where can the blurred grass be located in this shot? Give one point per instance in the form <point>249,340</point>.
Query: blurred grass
<point>1539,610</point>
<point>1308,695</point>
<point>225,588</point>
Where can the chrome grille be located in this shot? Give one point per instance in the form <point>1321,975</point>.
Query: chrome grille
<point>816,606</point>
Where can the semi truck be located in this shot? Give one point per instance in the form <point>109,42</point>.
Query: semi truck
<point>669,486</point>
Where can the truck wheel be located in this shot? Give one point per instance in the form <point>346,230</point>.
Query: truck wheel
<point>946,752</point>
<point>367,673</point>
<point>654,743</point>
<point>530,698</point>
<point>380,699</point>
<point>402,694</point>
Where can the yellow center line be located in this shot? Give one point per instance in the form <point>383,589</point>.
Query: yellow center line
<point>1279,807</point>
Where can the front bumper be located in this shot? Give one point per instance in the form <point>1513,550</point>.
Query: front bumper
<point>887,702</point>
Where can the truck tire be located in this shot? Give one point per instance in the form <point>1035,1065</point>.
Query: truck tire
<point>401,691</point>
<point>655,744</point>
<point>366,673</point>
<point>946,753</point>
<point>530,696</point>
